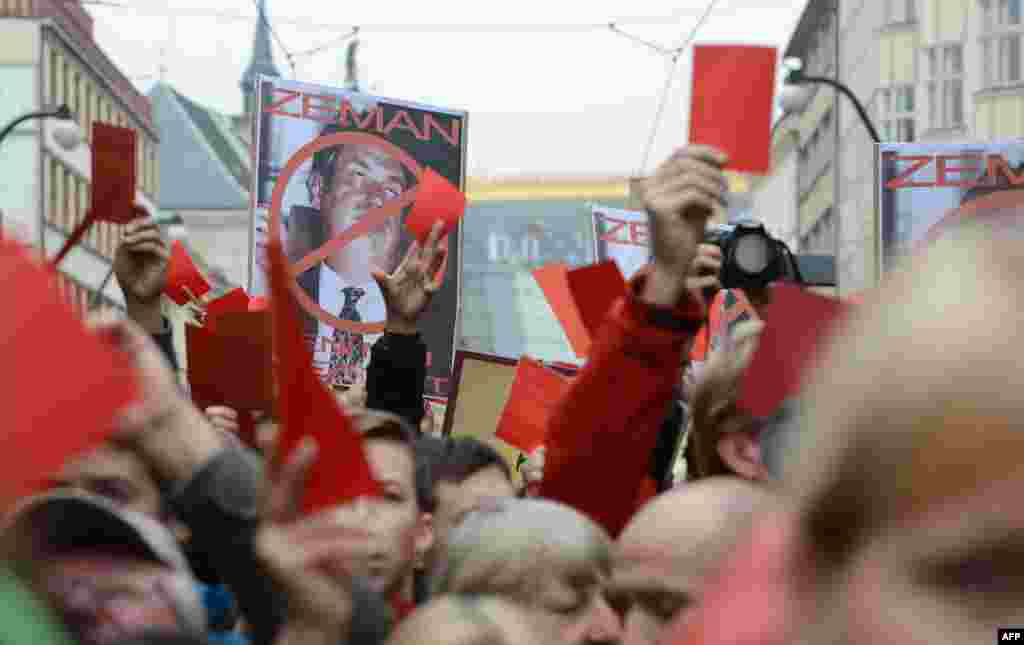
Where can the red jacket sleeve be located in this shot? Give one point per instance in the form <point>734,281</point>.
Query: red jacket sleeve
<point>601,435</point>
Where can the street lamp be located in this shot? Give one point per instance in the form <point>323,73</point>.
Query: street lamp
<point>796,95</point>
<point>66,133</point>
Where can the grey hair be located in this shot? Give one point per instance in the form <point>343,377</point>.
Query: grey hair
<point>500,548</point>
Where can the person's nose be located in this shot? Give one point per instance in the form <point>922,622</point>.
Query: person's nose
<point>604,626</point>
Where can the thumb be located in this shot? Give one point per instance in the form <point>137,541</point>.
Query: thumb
<point>382,279</point>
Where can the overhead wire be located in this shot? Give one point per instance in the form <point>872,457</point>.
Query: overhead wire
<point>669,77</point>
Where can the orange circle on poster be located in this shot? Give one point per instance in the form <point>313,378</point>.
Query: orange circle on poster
<point>369,221</point>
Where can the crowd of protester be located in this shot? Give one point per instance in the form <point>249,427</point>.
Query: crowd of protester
<point>877,507</point>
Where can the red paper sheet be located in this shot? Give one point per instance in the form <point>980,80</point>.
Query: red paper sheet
<point>595,289</point>
<point>63,385</point>
<point>183,277</point>
<point>113,174</point>
<point>235,300</point>
<point>535,392</point>
<point>798,324</point>
<point>231,364</point>
<point>554,282</point>
<point>731,108</point>
<point>341,472</point>
<point>436,199</point>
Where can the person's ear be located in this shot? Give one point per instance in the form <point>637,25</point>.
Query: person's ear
<point>424,537</point>
<point>316,182</point>
<point>741,452</point>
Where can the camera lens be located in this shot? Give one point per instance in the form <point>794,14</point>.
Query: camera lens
<point>752,254</point>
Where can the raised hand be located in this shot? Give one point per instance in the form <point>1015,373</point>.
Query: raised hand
<point>305,556</point>
<point>408,291</point>
<point>683,194</point>
<point>141,261</point>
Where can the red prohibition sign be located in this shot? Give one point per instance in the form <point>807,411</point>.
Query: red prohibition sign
<point>370,220</point>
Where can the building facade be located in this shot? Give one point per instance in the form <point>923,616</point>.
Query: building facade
<point>49,58</point>
<point>935,71</point>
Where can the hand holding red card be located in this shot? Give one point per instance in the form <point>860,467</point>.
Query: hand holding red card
<point>436,199</point>
<point>535,392</point>
<point>184,281</point>
<point>341,472</point>
<point>65,386</point>
<point>798,324</point>
<point>731,108</point>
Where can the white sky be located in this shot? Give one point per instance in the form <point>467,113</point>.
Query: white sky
<point>540,102</point>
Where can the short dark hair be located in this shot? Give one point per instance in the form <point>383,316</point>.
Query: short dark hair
<point>452,460</point>
<point>429,454</point>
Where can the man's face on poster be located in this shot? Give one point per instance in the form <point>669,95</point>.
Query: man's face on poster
<point>364,178</point>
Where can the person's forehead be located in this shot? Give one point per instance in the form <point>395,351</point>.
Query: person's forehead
<point>391,460</point>
<point>369,156</point>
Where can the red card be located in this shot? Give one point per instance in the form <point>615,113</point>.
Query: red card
<point>48,417</point>
<point>554,282</point>
<point>233,301</point>
<point>595,289</point>
<point>231,364</point>
<point>731,108</point>
<point>798,325</point>
<point>436,199</point>
<point>183,277</point>
<point>113,174</point>
<point>258,304</point>
<point>535,392</point>
<point>341,472</point>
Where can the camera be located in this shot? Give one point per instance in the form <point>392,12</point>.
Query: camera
<point>751,258</point>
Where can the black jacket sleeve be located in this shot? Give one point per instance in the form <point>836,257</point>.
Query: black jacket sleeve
<point>165,341</point>
<point>397,376</point>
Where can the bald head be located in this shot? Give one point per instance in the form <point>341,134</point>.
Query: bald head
<point>674,544</point>
<point>458,620</point>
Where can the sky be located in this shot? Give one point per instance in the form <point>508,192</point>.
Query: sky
<point>550,89</point>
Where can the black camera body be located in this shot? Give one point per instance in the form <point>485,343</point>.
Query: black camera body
<point>751,258</point>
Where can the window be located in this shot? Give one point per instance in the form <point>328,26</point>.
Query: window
<point>896,107</point>
<point>946,86</point>
<point>900,11</point>
<point>1001,42</point>
<point>53,213</point>
<point>55,97</point>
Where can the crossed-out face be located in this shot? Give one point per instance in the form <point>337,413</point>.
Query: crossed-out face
<point>364,178</point>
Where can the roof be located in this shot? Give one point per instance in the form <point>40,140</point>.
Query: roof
<point>262,61</point>
<point>204,165</point>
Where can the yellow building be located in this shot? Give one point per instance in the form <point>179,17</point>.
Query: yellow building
<point>48,58</point>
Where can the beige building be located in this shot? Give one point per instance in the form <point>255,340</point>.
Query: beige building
<point>936,71</point>
<point>48,58</point>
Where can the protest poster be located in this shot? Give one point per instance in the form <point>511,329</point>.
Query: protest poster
<point>621,235</point>
<point>337,172</point>
<point>925,189</point>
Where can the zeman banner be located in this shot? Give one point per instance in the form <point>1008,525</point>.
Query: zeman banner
<point>925,189</point>
<point>340,168</point>
<point>621,235</point>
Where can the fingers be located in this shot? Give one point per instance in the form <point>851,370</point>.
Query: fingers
<point>705,264</point>
<point>290,483</point>
<point>223,418</point>
<point>706,154</point>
